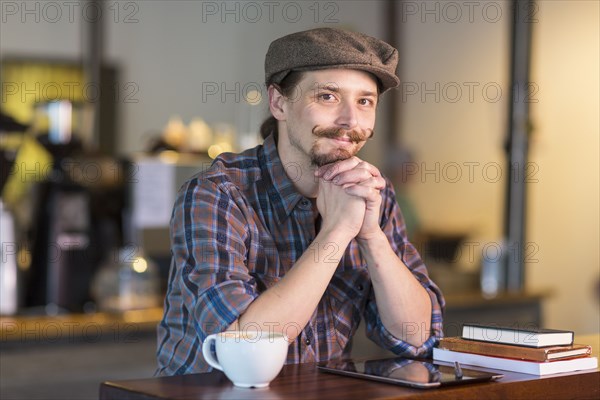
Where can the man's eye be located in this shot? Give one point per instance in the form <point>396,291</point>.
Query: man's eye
<point>366,102</point>
<point>326,97</point>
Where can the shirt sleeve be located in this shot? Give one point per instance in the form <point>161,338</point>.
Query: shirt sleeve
<point>394,228</point>
<point>208,234</point>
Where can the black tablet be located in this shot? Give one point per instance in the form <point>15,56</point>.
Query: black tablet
<point>407,372</point>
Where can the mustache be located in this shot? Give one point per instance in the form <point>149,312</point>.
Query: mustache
<point>355,135</point>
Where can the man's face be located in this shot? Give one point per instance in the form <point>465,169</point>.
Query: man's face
<point>331,114</point>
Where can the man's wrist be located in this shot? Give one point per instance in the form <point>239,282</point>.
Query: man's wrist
<point>337,235</point>
<point>372,242</point>
<point>333,239</point>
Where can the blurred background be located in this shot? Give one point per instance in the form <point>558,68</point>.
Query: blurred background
<point>491,140</point>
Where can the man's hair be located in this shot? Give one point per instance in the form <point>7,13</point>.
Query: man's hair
<point>286,88</point>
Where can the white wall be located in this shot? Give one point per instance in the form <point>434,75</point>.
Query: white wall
<point>32,30</point>
<point>564,205</point>
<point>453,114</point>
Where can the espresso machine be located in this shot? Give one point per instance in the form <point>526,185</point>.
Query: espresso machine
<point>77,217</point>
<point>10,292</point>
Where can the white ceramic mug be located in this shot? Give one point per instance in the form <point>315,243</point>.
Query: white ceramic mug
<point>248,359</point>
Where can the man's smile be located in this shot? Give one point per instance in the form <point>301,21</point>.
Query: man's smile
<point>342,135</point>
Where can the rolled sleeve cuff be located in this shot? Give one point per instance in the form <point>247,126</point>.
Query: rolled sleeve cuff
<point>402,348</point>
<point>385,339</point>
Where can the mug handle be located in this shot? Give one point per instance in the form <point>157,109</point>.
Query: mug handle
<point>208,354</point>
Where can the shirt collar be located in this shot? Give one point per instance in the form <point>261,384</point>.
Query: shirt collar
<point>281,190</point>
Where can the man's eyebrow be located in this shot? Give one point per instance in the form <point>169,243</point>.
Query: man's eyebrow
<point>368,93</point>
<point>332,87</point>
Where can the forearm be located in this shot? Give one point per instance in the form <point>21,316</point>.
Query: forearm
<point>290,303</point>
<point>403,303</point>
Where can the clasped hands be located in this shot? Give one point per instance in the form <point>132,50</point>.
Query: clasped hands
<point>349,197</point>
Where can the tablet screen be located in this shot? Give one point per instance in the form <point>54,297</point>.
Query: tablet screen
<point>407,372</point>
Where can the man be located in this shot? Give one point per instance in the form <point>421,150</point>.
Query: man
<point>299,235</point>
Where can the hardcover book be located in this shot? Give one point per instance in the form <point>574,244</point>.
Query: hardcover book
<point>509,364</point>
<point>516,352</point>
<point>530,337</point>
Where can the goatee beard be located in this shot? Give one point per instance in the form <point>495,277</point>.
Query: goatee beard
<point>354,135</point>
<point>318,160</point>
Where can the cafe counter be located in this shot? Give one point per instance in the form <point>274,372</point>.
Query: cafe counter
<point>71,328</point>
<point>66,356</point>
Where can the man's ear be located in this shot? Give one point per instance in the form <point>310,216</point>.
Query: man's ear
<point>276,103</point>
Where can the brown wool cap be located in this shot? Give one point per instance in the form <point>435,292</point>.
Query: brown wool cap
<point>325,48</point>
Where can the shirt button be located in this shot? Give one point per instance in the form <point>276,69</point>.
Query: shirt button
<point>307,341</point>
<point>360,287</point>
<point>305,203</point>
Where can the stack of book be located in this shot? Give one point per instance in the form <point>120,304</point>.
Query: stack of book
<point>528,351</point>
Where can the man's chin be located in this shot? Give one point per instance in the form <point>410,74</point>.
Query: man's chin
<point>319,160</point>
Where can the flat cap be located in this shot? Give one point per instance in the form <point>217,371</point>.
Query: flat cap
<point>325,48</point>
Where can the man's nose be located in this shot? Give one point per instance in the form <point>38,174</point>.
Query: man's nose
<point>347,117</point>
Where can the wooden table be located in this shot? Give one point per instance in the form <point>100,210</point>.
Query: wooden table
<point>303,381</point>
